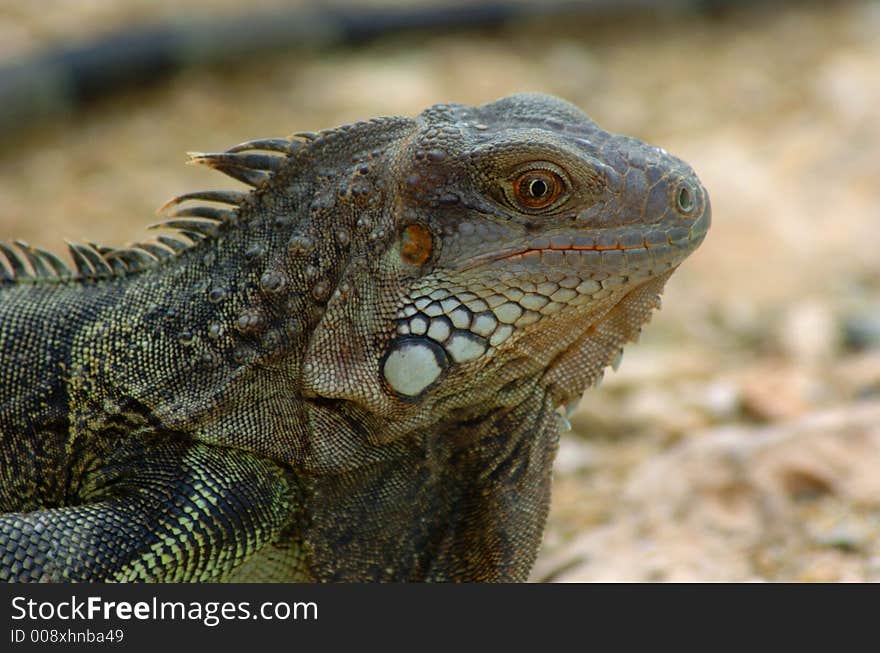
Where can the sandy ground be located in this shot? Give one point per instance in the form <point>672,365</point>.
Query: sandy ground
<point>740,439</point>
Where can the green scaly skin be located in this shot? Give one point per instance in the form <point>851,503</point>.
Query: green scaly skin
<point>352,372</point>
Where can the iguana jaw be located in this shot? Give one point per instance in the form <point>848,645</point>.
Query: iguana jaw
<point>547,291</point>
<point>588,338</point>
<point>582,250</point>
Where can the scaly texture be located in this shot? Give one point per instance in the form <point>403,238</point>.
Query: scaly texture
<point>352,372</point>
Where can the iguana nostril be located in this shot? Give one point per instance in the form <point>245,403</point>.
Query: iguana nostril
<point>684,199</point>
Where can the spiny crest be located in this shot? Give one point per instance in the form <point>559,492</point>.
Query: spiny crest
<point>29,262</point>
<point>252,162</point>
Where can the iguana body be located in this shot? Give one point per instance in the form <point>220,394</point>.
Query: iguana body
<point>352,372</point>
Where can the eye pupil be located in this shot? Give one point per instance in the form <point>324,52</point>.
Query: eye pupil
<point>538,188</point>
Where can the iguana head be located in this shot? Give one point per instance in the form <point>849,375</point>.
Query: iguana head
<point>510,247</point>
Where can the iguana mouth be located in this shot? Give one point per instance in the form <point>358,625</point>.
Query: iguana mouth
<point>596,249</point>
<point>570,284</point>
<point>573,284</point>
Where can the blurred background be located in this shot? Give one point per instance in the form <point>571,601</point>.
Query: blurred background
<point>740,439</point>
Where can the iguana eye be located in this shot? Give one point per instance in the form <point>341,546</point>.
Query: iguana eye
<point>537,189</point>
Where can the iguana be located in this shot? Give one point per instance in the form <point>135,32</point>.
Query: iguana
<point>352,372</point>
